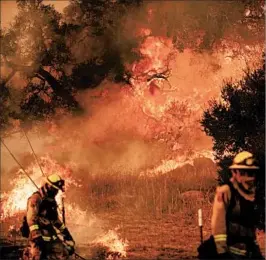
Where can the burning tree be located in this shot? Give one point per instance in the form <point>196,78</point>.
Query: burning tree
<point>237,122</point>
<point>55,55</point>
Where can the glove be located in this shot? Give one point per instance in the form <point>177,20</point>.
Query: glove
<point>224,256</point>
<point>24,229</point>
<point>69,241</point>
<point>70,248</point>
<point>67,236</point>
<point>38,241</point>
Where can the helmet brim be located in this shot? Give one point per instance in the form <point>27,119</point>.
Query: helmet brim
<point>62,188</point>
<point>245,167</point>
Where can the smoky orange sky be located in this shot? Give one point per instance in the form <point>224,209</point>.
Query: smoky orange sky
<point>138,121</point>
<point>9,10</point>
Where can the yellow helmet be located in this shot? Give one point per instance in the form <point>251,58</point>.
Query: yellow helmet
<point>56,181</point>
<point>244,160</point>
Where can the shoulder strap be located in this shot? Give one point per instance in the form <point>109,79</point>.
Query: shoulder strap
<point>43,192</point>
<point>233,196</point>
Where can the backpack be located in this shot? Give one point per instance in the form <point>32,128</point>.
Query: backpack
<point>24,229</point>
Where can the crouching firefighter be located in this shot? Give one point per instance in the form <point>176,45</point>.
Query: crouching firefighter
<point>43,224</point>
<point>234,217</point>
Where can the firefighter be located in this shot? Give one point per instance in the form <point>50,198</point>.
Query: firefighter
<point>44,224</point>
<point>233,219</point>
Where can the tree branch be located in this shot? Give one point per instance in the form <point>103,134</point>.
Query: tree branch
<point>158,76</point>
<point>10,76</point>
<point>41,78</point>
<point>58,89</point>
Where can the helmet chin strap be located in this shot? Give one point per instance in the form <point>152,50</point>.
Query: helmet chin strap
<point>242,191</point>
<point>245,190</point>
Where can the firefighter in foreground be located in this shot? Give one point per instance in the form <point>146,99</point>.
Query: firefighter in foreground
<point>233,219</point>
<point>44,224</point>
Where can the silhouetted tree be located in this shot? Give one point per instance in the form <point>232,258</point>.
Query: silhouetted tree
<point>237,123</point>
<point>57,54</point>
<point>40,46</point>
<point>34,46</point>
<point>101,38</point>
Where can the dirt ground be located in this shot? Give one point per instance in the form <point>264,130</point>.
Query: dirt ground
<point>170,237</point>
<point>162,237</point>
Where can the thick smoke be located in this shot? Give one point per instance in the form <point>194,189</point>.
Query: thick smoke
<point>115,133</point>
<point>119,132</point>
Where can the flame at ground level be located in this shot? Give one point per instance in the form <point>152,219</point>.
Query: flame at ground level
<point>114,244</point>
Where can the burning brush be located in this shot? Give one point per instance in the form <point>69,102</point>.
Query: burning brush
<point>109,247</point>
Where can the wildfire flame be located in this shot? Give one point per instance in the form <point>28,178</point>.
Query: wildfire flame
<point>15,202</point>
<point>171,106</point>
<point>116,246</point>
<point>170,165</point>
<point>150,72</point>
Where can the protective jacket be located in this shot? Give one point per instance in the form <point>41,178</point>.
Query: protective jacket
<point>44,225</point>
<point>233,223</point>
<point>42,217</point>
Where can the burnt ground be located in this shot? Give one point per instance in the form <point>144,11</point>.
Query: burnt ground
<point>169,237</point>
<point>163,237</point>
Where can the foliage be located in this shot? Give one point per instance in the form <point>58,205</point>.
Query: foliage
<point>4,93</point>
<point>55,55</point>
<point>40,45</point>
<point>237,123</point>
<point>203,25</point>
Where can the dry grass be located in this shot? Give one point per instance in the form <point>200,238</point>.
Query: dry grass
<point>152,195</point>
<point>156,214</point>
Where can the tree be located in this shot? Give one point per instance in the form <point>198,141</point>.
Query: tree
<point>56,54</point>
<point>35,48</point>
<point>39,48</point>
<point>237,123</point>
<point>102,43</point>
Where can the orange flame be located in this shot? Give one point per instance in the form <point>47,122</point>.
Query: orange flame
<point>113,242</point>
<point>15,201</point>
<point>170,165</point>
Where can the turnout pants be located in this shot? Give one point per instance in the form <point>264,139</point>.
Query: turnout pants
<point>52,250</point>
